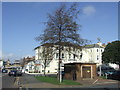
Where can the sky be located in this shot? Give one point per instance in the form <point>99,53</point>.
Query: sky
<point>23,21</point>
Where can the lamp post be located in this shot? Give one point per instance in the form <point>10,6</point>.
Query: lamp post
<point>99,56</point>
<point>60,71</point>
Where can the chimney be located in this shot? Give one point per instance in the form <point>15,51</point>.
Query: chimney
<point>108,43</point>
<point>99,43</point>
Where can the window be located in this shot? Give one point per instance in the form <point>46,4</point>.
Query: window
<point>48,65</point>
<point>69,56</point>
<point>62,48</point>
<point>97,50</point>
<point>57,48</point>
<point>57,55</point>
<point>74,56</point>
<point>74,49</point>
<point>80,55</point>
<point>62,55</point>
<point>97,57</point>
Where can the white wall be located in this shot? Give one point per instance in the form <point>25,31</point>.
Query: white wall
<point>1,63</point>
<point>89,55</point>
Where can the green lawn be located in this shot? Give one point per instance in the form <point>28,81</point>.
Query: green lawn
<point>54,80</point>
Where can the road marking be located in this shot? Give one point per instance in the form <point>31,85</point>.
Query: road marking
<point>95,81</point>
<point>106,82</point>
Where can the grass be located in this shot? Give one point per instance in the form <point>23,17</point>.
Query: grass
<point>54,80</point>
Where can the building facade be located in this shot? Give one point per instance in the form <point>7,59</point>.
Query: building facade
<point>1,65</point>
<point>77,71</point>
<point>33,67</point>
<point>70,54</point>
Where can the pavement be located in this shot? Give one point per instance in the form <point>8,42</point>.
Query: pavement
<point>29,81</point>
<point>98,81</point>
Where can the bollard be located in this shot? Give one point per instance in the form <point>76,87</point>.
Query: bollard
<point>106,75</point>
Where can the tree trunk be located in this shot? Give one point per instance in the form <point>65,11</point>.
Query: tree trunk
<point>59,53</point>
<point>59,63</point>
<point>45,69</point>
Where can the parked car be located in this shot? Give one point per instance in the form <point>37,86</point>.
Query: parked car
<point>106,72</point>
<point>115,75</point>
<point>12,73</point>
<point>19,72</point>
<point>98,73</point>
<point>15,73</point>
<point>4,71</point>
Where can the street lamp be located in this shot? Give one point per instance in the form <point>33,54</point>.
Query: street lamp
<point>99,39</point>
<point>60,71</point>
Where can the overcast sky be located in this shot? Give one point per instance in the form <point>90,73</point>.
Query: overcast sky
<point>23,21</point>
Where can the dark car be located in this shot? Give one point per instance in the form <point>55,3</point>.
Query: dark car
<point>4,71</point>
<point>15,73</point>
<point>106,72</point>
<point>12,73</point>
<point>109,72</point>
<point>115,75</point>
<point>19,72</point>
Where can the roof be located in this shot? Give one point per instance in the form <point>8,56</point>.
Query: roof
<point>62,44</point>
<point>77,63</point>
<point>92,46</point>
<point>17,60</point>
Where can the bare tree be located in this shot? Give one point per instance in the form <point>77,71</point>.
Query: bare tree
<point>62,27</point>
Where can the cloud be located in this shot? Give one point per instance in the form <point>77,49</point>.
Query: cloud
<point>88,10</point>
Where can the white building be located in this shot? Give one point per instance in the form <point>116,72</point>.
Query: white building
<point>34,66</point>
<point>1,64</point>
<point>88,54</point>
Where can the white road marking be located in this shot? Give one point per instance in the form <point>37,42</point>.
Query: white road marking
<point>95,81</point>
<point>106,82</point>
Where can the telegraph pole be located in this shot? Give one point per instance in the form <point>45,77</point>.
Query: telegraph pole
<point>99,40</point>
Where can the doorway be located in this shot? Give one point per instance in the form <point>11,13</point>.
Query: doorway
<point>86,70</point>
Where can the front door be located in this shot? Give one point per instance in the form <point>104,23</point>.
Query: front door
<point>86,71</point>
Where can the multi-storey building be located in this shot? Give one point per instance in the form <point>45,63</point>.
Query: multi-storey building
<point>1,64</point>
<point>71,54</point>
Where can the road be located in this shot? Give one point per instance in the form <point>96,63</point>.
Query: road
<point>31,82</point>
<point>109,86</point>
<point>7,82</point>
<point>0,80</point>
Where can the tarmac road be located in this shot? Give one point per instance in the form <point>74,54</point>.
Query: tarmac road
<point>7,81</point>
<point>30,82</point>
